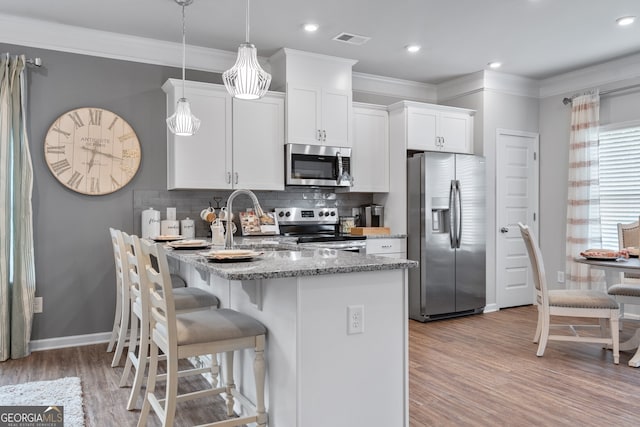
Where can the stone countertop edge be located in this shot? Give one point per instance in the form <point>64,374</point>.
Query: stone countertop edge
<point>274,264</point>
<point>386,236</point>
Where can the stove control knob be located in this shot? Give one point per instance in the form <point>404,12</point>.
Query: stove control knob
<point>288,214</point>
<point>333,213</point>
<point>281,214</point>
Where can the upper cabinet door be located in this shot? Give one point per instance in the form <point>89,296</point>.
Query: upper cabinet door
<point>421,129</point>
<point>455,130</point>
<point>370,156</point>
<point>258,143</point>
<point>337,116</point>
<point>203,160</point>
<point>303,115</point>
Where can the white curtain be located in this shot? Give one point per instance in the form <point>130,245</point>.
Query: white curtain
<point>583,201</point>
<point>17,270</point>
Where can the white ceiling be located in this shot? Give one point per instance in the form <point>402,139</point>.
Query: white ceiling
<point>532,38</point>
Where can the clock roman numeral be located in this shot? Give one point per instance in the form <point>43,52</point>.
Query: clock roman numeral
<point>95,117</point>
<point>115,119</point>
<point>55,149</point>
<point>56,128</point>
<point>95,185</point>
<point>77,121</point>
<point>114,184</point>
<point>126,136</point>
<point>75,179</point>
<point>61,166</point>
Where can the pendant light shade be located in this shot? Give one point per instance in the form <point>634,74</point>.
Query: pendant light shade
<point>246,79</point>
<point>182,122</point>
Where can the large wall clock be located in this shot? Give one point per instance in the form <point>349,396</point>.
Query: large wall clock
<point>92,151</point>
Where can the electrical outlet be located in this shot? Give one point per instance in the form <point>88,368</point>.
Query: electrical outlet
<point>355,319</point>
<point>37,305</point>
<point>560,276</point>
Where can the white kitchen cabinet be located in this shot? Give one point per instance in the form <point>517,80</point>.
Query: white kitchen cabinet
<point>318,116</point>
<point>258,143</point>
<point>239,144</point>
<point>200,161</point>
<point>438,128</point>
<point>392,247</point>
<point>370,153</point>
<point>319,97</point>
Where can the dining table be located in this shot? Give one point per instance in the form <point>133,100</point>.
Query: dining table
<point>612,269</point>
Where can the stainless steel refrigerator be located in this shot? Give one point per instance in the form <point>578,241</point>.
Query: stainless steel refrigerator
<point>446,234</point>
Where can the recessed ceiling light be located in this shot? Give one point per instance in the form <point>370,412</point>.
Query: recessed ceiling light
<point>310,28</point>
<point>413,48</point>
<point>494,64</point>
<point>626,20</point>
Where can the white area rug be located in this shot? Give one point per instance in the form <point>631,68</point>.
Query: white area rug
<point>65,392</point>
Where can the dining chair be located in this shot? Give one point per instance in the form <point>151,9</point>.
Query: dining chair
<point>569,303</point>
<point>186,299</point>
<point>182,335</point>
<point>628,290</point>
<point>119,338</point>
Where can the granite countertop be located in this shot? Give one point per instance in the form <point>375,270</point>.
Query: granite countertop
<point>282,258</point>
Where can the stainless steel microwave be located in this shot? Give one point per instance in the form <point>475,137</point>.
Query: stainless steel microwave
<point>318,165</point>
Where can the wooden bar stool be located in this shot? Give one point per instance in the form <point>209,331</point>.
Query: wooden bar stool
<point>187,299</point>
<point>182,335</point>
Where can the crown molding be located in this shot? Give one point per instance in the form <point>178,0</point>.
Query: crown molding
<point>608,73</point>
<point>388,86</point>
<point>85,41</point>
<point>488,80</point>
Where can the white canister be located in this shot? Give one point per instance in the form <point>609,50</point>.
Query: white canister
<point>169,227</point>
<point>217,233</point>
<point>187,228</point>
<point>150,223</point>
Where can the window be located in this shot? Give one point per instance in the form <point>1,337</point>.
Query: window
<point>619,178</point>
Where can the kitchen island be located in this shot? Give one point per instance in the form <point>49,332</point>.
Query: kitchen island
<point>318,374</point>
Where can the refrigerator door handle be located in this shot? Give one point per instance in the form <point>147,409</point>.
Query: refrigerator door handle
<point>458,214</point>
<point>452,214</point>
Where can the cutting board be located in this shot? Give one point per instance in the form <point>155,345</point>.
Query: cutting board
<point>370,231</point>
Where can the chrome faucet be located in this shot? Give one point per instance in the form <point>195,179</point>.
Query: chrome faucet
<point>228,239</point>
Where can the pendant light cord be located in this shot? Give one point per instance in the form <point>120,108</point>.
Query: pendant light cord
<point>247,23</point>
<point>184,49</point>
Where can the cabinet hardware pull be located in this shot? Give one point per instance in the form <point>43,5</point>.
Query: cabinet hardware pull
<point>324,135</point>
<point>236,176</point>
<point>228,177</point>
<point>319,137</point>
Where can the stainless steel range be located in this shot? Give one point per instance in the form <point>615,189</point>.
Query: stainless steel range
<point>317,228</point>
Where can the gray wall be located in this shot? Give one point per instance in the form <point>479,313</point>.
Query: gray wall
<point>74,263</point>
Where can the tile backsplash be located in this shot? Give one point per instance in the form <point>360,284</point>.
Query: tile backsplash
<point>189,203</point>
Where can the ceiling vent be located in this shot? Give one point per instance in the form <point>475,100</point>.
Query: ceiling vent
<point>351,39</point>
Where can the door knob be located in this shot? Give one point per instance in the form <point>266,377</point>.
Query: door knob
<point>504,230</point>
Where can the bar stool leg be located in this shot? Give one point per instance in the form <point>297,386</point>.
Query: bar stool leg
<point>259,375</point>
<point>122,335</point>
<point>151,385</point>
<point>143,352</point>
<point>230,385</point>
<point>116,323</point>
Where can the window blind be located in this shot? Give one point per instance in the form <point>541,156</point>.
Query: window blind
<point>619,155</point>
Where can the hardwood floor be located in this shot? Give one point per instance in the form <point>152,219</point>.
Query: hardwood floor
<point>472,371</point>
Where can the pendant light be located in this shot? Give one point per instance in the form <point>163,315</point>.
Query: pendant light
<point>182,122</point>
<point>246,79</point>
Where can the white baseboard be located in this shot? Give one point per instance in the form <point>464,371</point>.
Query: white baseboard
<point>71,341</point>
<point>490,308</point>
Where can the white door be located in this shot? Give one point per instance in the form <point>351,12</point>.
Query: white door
<point>516,201</point>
